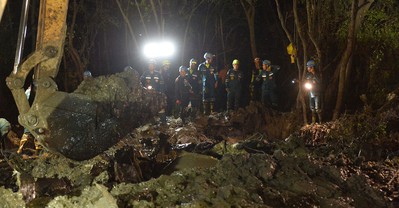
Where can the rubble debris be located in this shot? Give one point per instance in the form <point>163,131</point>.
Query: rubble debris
<point>253,180</point>
<point>215,161</point>
<point>11,199</point>
<point>92,196</point>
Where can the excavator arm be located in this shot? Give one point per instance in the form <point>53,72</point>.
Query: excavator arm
<point>45,59</point>
<point>82,124</point>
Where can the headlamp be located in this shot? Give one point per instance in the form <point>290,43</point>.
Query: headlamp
<point>308,86</point>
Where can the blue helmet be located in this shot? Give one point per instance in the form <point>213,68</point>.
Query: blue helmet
<point>127,68</point>
<point>267,62</point>
<point>86,74</point>
<point>5,126</point>
<point>311,63</point>
<point>181,68</point>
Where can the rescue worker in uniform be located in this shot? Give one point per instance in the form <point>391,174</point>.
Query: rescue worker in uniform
<point>5,127</point>
<point>209,83</point>
<point>87,74</point>
<point>169,84</point>
<point>183,89</point>
<point>256,85</point>
<point>234,86</point>
<point>152,79</point>
<point>267,76</point>
<point>312,84</point>
<point>195,81</point>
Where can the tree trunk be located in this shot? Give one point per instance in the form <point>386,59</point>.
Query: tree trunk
<point>186,31</point>
<point>249,9</point>
<point>311,16</point>
<point>155,13</point>
<point>358,10</point>
<point>141,18</point>
<point>73,53</point>
<point>129,25</point>
<point>205,27</point>
<point>222,39</point>
<point>302,74</point>
<point>301,103</point>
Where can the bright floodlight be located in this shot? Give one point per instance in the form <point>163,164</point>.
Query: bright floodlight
<point>159,49</point>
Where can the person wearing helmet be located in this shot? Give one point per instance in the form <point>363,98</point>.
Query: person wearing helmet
<point>87,74</point>
<point>209,83</point>
<point>5,127</point>
<point>152,79</point>
<point>267,76</point>
<point>195,81</point>
<point>255,86</point>
<point>234,86</point>
<point>127,68</point>
<point>169,78</point>
<point>313,81</point>
<point>183,89</point>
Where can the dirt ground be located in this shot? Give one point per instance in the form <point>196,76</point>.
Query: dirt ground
<point>255,157</point>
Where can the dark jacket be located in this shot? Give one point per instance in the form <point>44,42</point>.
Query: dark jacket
<point>182,87</point>
<point>209,75</point>
<point>195,80</point>
<point>154,80</point>
<point>268,78</point>
<point>234,80</point>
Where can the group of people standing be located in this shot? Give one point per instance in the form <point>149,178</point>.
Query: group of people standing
<point>195,84</point>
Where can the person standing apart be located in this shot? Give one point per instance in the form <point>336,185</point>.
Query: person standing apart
<point>312,84</point>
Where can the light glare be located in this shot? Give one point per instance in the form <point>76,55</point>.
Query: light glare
<point>159,49</point>
<point>308,86</point>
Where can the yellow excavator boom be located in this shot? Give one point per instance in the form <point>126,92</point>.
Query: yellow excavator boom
<point>82,124</point>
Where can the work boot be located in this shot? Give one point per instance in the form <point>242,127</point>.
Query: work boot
<point>206,108</point>
<point>313,118</point>
<point>24,139</point>
<point>193,113</point>
<point>320,116</point>
<point>211,107</point>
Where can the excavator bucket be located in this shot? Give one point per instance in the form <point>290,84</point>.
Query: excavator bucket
<point>82,124</point>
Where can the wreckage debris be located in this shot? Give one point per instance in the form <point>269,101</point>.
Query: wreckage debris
<point>215,162</point>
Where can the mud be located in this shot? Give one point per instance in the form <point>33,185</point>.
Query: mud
<point>223,161</point>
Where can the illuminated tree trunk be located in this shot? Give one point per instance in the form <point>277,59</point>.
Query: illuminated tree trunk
<point>129,25</point>
<point>249,9</point>
<point>358,11</point>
